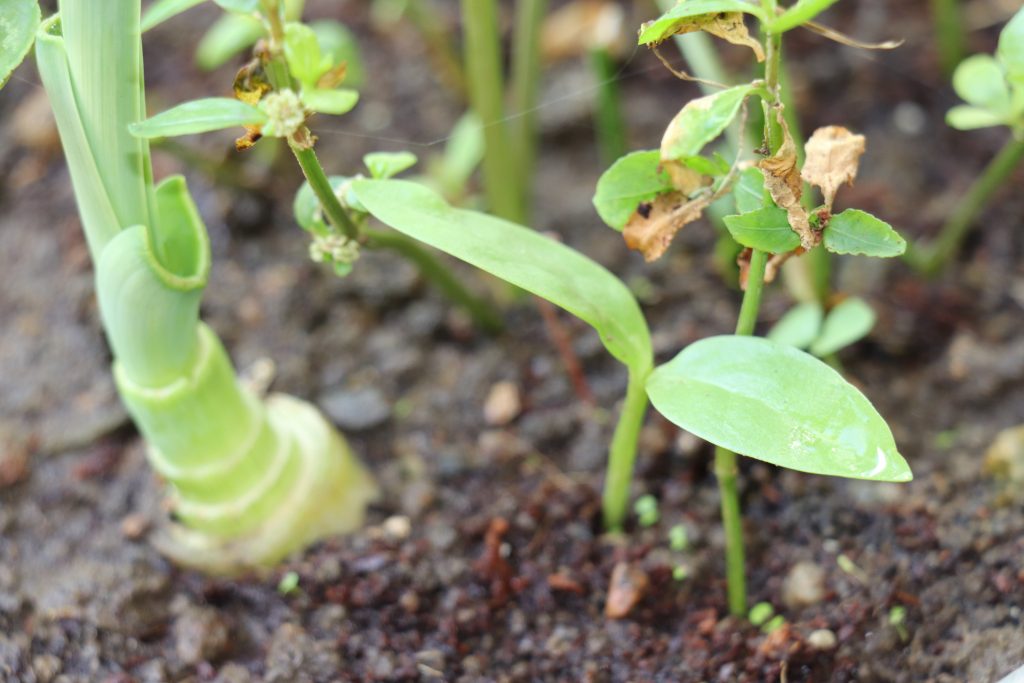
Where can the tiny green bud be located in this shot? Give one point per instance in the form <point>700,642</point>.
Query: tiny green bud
<point>777,622</point>
<point>334,248</point>
<point>678,539</point>
<point>646,509</point>
<point>289,582</point>
<point>761,613</point>
<point>285,113</point>
<point>680,573</point>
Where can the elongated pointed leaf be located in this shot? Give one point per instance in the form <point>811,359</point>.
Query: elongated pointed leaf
<point>980,81</point>
<point>701,121</point>
<point>778,404</point>
<point>966,117</point>
<point>845,324</point>
<point>19,20</point>
<point>335,102</point>
<point>384,165</point>
<point>668,23</point>
<point>858,232</point>
<point>799,327</point>
<point>766,229</point>
<point>162,10</point>
<point>199,116</point>
<point>800,13</point>
<point>518,255</point>
<point>632,180</point>
<point>1011,49</point>
<point>240,6</point>
<point>226,37</point>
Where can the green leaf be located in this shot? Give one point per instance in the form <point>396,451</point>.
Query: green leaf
<point>778,404</point>
<point>518,255</point>
<point>749,190</point>
<point>302,51</point>
<point>979,81</point>
<point>713,166</point>
<point>966,117</point>
<point>799,327</point>
<point>462,154</point>
<point>384,165</point>
<point>1011,49</point>
<point>858,232</point>
<point>198,116</point>
<point>162,10</point>
<point>766,229</point>
<point>701,121</point>
<point>797,15</point>
<point>340,44</point>
<point>845,324</point>
<point>307,210</point>
<point>668,24</point>
<point>19,20</point>
<point>336,102</point>
<point>229,35</point>
<point>632,180</point>
<point>239,6</point>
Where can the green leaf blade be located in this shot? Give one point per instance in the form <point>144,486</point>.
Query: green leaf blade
<point>384,165</point>
<point>847,323</point>
<point>518,255</point>
<point>199,116</point>
<point>778,404</point>
<point>668,23</point>
<point>765,229</point>
<point>749,190</point>
<point>162,10</point>
<point>333,102</point>
<point>632,180</point>
<point>797,15</point>
<point>701,121</point>
<point>1010,51</point>
<point>979,81</point>
<point>226,37</point>
<point>799,327</point>
<point>19,20</point>
<point>966,117</point>
<point>858,232</point>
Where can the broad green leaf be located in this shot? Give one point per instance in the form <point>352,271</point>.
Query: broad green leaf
<point>198,116</point>
<point>336,102</point>
<point>715,165</point>
<point>19,20</point>
<point>668,24</point>
<point>1011,49</point>
<point>518,255</point>
<point>966,117</point>
<point>340,44</point>
<point>302,50</point>
<point>162,10</point>
<point>845,324</point>
<point>766,229</point>
<point>701,121</point>
<point>384,165</point>
<point>632,180</point>
<point>797,15</point>
<point>858,232</point>
<point>778,404</point>
<point>240,6</point>
<point>979,80</point>
<point>229,35</point>
<point>799,327</point>
<point>749,190</point>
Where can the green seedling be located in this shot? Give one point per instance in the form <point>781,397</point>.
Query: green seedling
<point>898,619</point>
<point>993,90</point>
<point>678,539</point>
<point>251,479</point>
<point>748,395</point>
<point>680,573</point>
<point>761,613</point>
<point>950,33</point>
<point>288,584</point>
<point>646,509</point>
<point>807,327</point>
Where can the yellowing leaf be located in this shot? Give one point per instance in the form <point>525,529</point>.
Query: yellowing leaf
<point>782,180</point>
<point>651,228</point>
<point>725,25</point>
<point>832,156</point>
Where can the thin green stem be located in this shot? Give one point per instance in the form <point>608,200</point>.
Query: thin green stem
<point>752,296</point>
<point>615,502</point>
<point>931,259</point>
<point>439,44</point>
<point>483,312</point>
<point>482,61</point>
<point>526,70</point>
<point>611,127</point>
<point>318,181</point>
<point>726,471</point>
<point>949,33</point>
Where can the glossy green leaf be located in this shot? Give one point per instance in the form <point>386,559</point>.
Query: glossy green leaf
<point>229,35</point>
<point>199,116</point>
<point>778,404</point>
<point>858,232</point>
<point>749,190</point>
<point>979,80</point>
<point>845,324</point>
<point>798,14</point>
<point>518,255</point>
<point>19,20</point>
<point>340,44</point>
<point>630,181</point>
<point>162,10</point>
<point>799,327</point>
<point>766,229</point>
<point>336,102</point>
<point>302,51</point>
<point>966,117</point>
<point>240,6</point>
<point>701,121</point>
<point>1011,49</point>
<point>670,23</point>
<point>384,165</point>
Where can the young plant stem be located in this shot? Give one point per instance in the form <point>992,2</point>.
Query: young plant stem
<point>611,128</point>
<point>314,173</point>
<point>933,258</point>
<point>526,69</point>
<point>615,501</point>
<point>949,33</point>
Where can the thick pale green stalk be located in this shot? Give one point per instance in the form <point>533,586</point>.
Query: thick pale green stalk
<point>526,70</point>
<point>611,126</point>
<point>622,456</point>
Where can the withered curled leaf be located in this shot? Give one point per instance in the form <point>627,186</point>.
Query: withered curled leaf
<point>783,182</point>
<point>832,157</point>
<point>725,25</point>
<point>251,84</point>
<point>650,230</point>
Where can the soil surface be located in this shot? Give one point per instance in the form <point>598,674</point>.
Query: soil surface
<point>485,561</point>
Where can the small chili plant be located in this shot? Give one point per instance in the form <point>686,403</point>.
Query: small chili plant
<point>748,395</point>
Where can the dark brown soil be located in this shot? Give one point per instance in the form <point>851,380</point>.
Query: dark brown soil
<point>486,561</point>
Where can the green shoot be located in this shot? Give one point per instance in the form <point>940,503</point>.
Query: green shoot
<point>289,583</point>
<point>950,37</point>
<point>807,327</point>
<point>897,619</point>
<point>678,539</point>
<point>646,510</point>
<point>761,613</point>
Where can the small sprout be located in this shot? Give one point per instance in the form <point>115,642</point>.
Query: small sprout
<point>646,509</point>
<point>285,113</point>
<point>774,624</point>
<point>680,573</point>
<point>897,619</point>
<point>761,613</point>
<point>847,565</point>
<point>288,583</point>
<point>678,539</point>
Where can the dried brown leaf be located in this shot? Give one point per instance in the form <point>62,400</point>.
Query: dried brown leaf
<point>783,182</point>
<point>651,228</point>
<point>684,178</point>
<point>729,26</point>
<point>832,156</point>
<point>581,26</point>
<point>843,39</point>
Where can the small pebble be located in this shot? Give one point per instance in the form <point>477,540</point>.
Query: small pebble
<point>134,526</point>
<point>627,586</point>
<point>503,404</point>
<point>356,410</point>
<point>822,639</point>
<point>397,527</point>
<point>200,635</point>
<point>804,585</point>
